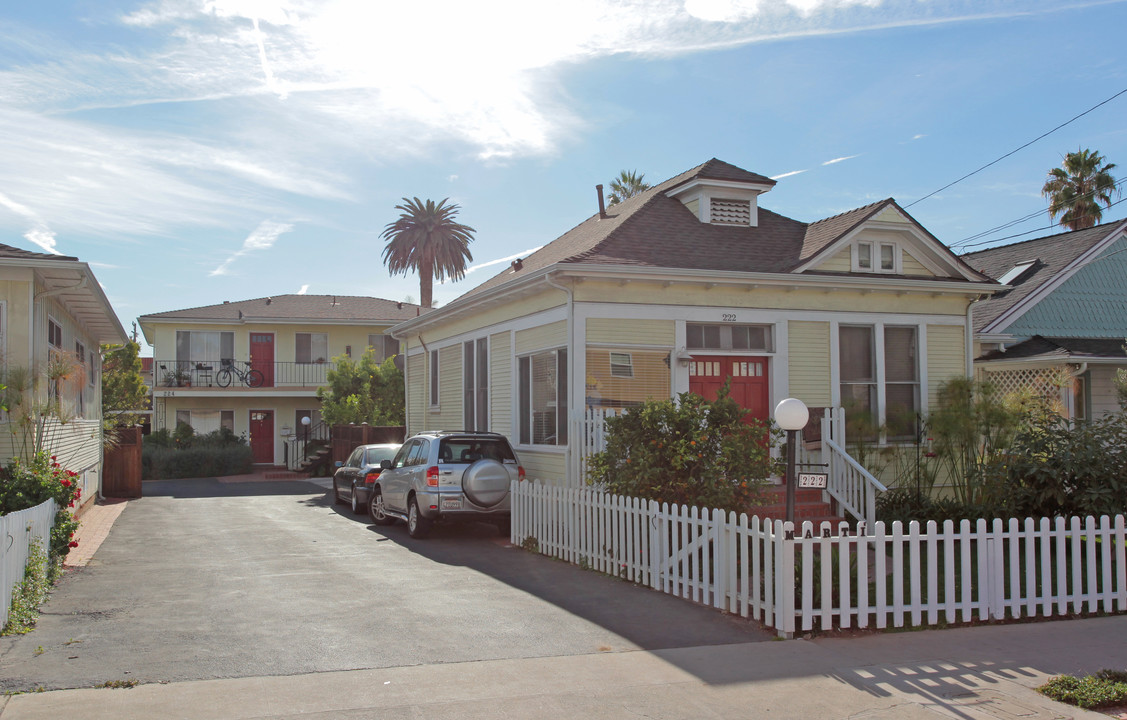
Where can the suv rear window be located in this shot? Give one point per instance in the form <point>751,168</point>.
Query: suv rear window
<point>468,450</point>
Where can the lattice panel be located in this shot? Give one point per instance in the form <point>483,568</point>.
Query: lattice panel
<point>1043,381</point>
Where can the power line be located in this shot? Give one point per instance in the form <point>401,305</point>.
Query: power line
<point>967,240</point>
<point>1030,232</point>
<point>1039,137</point>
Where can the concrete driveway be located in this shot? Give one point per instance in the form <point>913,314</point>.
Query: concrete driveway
<point>202,579</point>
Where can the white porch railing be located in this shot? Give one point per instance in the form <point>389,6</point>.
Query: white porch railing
<point>795,579</point>
<point>17,530</point>
<point>851,485</point>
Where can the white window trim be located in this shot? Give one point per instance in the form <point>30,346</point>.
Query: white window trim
<point>434,387</point>
<point>922,386</point>
<point>874,257</point>
<point>516,426</point>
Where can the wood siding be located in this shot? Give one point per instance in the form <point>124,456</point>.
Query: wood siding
<point>615,331</point>
<point>1101,390</point>
<point>946,357</point>
<point>548,467</point>
<point>416,392</point>
<point>912,266</point>
<point>449,414</point>
<point>841,262</point>
<point>501,383</point>
<point>548,336</point>
<point>809,349</point>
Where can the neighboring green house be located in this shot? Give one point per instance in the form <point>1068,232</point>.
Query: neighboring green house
<point>682,288</point>
<point>53,319</point>
<point>288,341</point>
<point>1061,325</point>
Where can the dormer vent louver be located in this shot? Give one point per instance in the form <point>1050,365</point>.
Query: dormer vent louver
<point>731,212</point>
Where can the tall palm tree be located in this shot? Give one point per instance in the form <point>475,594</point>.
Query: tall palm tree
<point>1077,189</point>
<point>626,186</point>
<point>426,239</point>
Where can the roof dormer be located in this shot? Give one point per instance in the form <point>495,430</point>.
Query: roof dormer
<point>718,201</point>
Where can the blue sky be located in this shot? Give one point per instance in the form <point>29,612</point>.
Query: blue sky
<point>195,151</point>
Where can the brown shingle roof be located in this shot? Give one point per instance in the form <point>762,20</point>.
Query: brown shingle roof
<point>7,251</point>
<point>1053,347</point>
<point>299,307</point>
<point>657,231</point>
<point>1054,253</point>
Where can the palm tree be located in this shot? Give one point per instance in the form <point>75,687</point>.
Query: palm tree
<point>1077,189</point>
<point>426,239</point>
<point>626,186</point>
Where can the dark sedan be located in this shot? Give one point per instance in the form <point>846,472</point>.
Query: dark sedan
<point>353,479</point>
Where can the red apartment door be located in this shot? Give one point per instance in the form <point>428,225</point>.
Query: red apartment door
<point>749,381</point>
<point>262,436</point>
<point>262,356</point>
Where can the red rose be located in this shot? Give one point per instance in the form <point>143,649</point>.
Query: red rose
<point>73,543</point>
<point>65,482</point>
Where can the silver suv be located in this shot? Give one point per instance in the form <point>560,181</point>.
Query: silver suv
<point>446,475</point>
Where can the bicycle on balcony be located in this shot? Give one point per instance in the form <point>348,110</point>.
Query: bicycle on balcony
<point>246,375</point>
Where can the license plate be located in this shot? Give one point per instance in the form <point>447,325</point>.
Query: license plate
<point>451,503</point>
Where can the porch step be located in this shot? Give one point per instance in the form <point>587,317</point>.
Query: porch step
<point>777,495</point>
<point>808,506</point>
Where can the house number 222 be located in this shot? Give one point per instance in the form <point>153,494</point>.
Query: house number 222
<point>728,317</point>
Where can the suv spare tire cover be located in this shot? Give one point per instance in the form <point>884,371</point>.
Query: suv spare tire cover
<point>486,483</point>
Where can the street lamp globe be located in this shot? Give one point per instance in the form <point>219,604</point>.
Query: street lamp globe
<point>792,414</point>
<point>305,420</point>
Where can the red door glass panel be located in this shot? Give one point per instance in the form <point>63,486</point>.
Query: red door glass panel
<point>707,374</point>
<point>262,356</point>
<point>262,436</point>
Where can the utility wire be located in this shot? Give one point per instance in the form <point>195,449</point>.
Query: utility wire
<point>1039,137</point>
<point>1030,232</point>
<point>968,240</point>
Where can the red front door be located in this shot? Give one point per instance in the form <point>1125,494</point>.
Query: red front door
<point>262,436</point>
<point>749,381</point>
<point>262,356</point>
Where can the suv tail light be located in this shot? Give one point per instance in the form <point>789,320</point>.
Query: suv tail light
<point>432,476</point>
<point>520,473</point>
<point>370,478</point>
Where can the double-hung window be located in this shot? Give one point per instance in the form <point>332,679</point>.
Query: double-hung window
<point>868,378</point>
<point>475,384</point>
<point>385,346</point>
<point>311,347</point>
<point>80,394</point>
<point>434,385</point>
<point>543,398</point>
<point>874,257</point>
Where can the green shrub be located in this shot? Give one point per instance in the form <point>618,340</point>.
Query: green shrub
<point>689,451</point>
<point>29,594</point>
<point>162,463</point>
<point>905,504</point>
<point>1104,689</point>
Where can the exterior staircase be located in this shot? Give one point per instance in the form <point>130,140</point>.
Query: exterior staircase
<point>318,457</point>
<point>808,505</point>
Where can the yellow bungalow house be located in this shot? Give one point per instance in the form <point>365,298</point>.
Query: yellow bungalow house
<point>254,366</point>
<point>681,288</point>
<point>53,319</point>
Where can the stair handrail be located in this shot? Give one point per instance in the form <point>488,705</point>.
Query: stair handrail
<point>853,487</point>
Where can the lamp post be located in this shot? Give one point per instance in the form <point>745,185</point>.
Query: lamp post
<point>305,420</point>
<point>791,415</point>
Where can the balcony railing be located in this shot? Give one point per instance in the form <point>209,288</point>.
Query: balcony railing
<point>239,374</point>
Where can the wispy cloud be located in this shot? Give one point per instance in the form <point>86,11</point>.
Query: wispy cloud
<point>304,289</point>
<point>840,159</point>
<point>498,261</point>
<point>787,174</point>
<point>263,238</point>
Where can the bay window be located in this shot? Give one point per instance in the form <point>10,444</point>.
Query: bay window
<point>542,398</point>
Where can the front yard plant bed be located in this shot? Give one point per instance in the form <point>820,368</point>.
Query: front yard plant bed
<point>1107,688</point>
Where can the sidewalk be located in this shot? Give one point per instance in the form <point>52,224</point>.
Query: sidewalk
<point>970,673</point>
<point>93,528</point>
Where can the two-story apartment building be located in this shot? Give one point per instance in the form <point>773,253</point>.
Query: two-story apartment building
<point>254,366</point>
<point>53,318</point>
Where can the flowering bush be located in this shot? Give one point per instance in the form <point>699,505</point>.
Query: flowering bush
<point>24,486</point>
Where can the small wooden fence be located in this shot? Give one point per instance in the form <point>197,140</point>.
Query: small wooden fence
<point>830,577</point>
<point>346,438</point>
<point>17,530</point>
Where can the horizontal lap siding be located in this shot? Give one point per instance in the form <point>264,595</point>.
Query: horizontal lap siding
<point>416,392</point>
<point>552,335</point>
<point>501,383</point>
<point>946,358</point>
<point>616,331</point>
<point>449,414</point>
<point>838,263</point>
<point>912,266</point>
<point>1102,391</point>
<point>809,350</point>
<point>546,467</point>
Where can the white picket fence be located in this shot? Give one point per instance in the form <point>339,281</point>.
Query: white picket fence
<point>821,578</point>
<point>17,530</point>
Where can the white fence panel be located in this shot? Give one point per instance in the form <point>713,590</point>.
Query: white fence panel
<point>829,577</point>
<point>17,530</point>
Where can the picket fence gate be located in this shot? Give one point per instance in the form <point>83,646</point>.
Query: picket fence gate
<point>17,531</point>
<point>826,577</point>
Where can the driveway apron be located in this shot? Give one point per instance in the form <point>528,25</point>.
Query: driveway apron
<point>202,579</point>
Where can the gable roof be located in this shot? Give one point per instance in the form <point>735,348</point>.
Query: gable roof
<point>71,283</point>
<point>296,308</point>
<point>1054,253</point>
<point>655,230</point>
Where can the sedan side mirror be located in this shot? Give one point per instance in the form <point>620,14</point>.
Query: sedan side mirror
<point>385,464</point>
